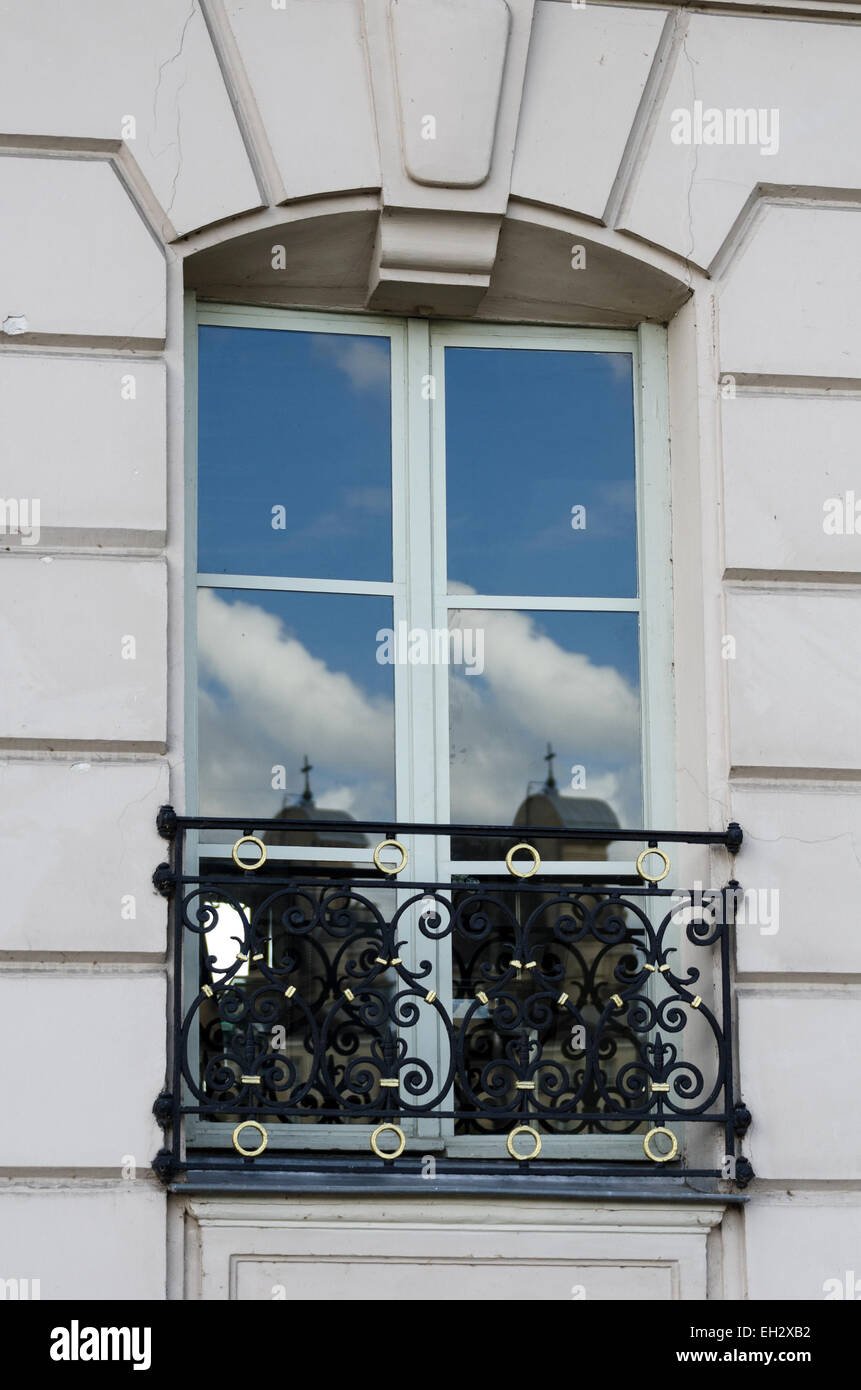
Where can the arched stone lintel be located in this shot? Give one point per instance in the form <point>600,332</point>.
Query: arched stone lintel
<point>535,264</point>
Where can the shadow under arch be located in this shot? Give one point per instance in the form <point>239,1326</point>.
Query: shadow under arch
<point>549,266</point>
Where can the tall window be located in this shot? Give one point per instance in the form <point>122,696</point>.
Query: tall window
<point>431,586</point>
<point>420,562</point>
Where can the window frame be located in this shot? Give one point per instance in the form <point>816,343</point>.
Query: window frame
<point>421,694</point>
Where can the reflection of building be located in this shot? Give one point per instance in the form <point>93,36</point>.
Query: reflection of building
<point>305,809</point>
<point>548,806</point>
<point>584,959</point>
<point>323,934</point>
<point>292,934</point>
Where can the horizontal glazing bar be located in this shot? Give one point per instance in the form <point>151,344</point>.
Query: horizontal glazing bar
<point>299,854</point>
<point>303,586</point>
<point>539,602</point>
<point>611,890</point>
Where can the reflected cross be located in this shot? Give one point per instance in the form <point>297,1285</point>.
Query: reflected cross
<point>306,768</point>
<point>548,758</point>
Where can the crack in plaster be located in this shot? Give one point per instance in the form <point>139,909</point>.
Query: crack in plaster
<point>177,142</point>
<point>691,62</point>
<point>798,840</point>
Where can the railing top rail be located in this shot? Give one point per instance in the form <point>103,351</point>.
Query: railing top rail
<point>169,823</point>
<point>624,891</point>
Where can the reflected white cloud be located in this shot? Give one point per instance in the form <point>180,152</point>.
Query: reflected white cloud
<point>278,685</point>
<point>540,686</point>
<point>364,361</point>
<point>620,366</point>
<point>533,690</point>
<point>274,700</point>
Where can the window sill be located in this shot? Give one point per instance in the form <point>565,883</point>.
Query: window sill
<point>345,1175</point>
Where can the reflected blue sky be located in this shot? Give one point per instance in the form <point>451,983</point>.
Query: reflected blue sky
<point>529,434</point>
<point>302,421</point>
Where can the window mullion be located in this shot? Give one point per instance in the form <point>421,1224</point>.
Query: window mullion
<point>425,1039</point>
<point>419,569</point>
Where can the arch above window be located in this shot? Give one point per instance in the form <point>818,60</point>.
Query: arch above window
<point>349,253</point>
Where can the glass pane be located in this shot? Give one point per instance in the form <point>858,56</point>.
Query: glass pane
<point>294,454</point>
<point>545,726</point>
<point>540,472</point>
<point>287,681</point>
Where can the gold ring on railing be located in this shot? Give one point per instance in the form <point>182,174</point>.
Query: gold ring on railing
<point>390,869</point>
<point>536,1148</point>
<point>249,840</point>
<point>536,861</point>
<point>264,1138</point>
<point>660,1158</point>
<point>652,878</point>
<point>393,1129</point>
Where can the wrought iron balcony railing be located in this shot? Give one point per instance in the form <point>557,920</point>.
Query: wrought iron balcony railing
<point>325,998</point>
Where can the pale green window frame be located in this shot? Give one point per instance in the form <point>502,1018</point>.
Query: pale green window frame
<point>421,706</point>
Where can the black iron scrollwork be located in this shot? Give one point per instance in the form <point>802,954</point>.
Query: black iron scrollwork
<point>358,998</point>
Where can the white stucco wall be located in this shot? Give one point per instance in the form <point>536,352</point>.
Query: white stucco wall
<point>285,125</point>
